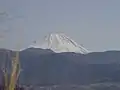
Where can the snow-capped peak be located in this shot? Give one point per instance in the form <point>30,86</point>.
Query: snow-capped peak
<point>60,43</point>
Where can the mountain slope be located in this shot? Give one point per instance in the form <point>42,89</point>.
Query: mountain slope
<point>42,67</point>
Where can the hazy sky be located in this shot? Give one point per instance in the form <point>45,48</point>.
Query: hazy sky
<point>92,23</point>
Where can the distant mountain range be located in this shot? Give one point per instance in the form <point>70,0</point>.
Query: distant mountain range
<point>45,67</point>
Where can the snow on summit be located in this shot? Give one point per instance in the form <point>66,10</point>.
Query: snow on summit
<point>59,42</point>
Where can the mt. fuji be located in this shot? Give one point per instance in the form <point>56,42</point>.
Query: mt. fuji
<point>59,42</point>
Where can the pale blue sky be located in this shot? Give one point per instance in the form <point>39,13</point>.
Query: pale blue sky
<point>93,23</point>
